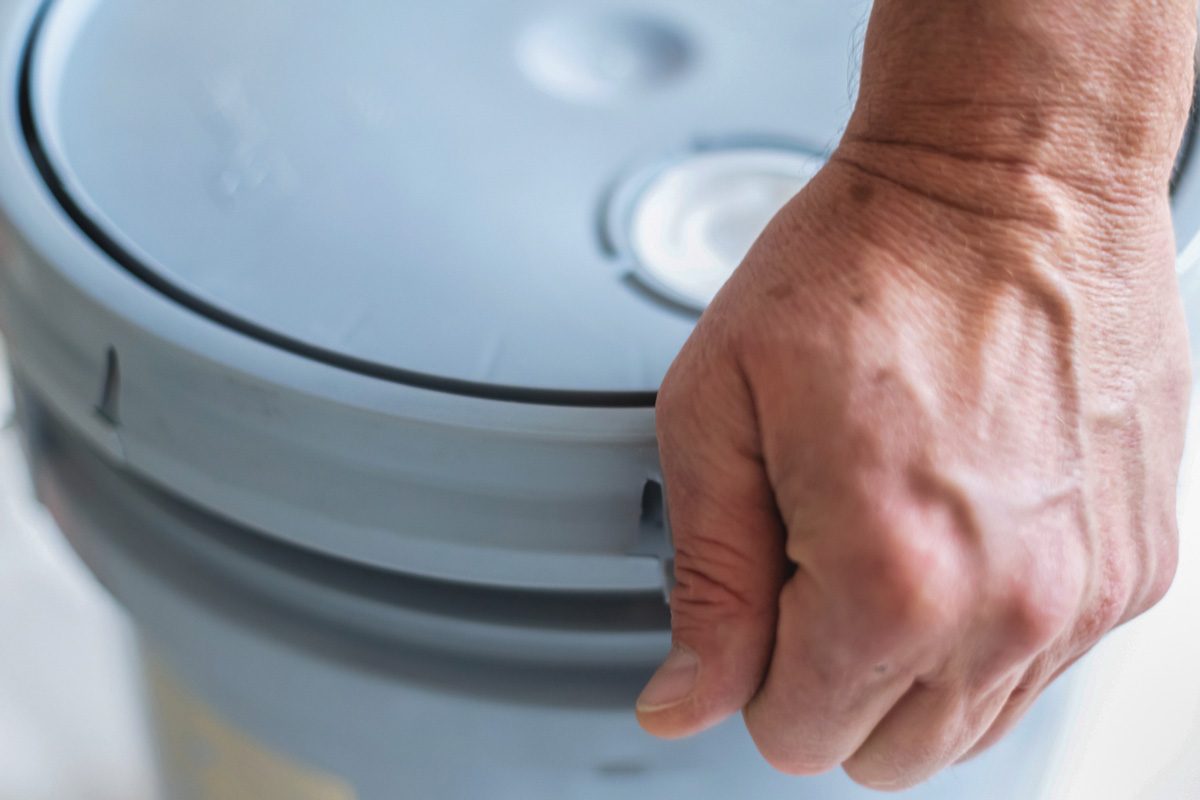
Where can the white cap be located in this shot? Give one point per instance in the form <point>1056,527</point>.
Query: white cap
<point>696,220</point>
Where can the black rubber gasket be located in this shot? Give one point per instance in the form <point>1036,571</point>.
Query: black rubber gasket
<point>153,279</point>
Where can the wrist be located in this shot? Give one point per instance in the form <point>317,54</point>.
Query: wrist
<point>1095,98</point>
<point>996,216</point>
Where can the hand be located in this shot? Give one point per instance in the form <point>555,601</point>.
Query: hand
<point>921,454</point>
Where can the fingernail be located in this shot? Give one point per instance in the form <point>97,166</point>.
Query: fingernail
<point>672,683</point>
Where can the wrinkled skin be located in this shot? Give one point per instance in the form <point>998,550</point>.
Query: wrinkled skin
<point>921,453</point>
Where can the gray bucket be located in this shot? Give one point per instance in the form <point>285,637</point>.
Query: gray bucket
<point>335,336</point>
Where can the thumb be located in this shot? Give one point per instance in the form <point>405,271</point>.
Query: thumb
<point>729,559</point>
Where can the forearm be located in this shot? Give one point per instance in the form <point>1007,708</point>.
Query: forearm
<point>1092,92</point>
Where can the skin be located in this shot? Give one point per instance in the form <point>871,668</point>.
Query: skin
<point>921,452</point>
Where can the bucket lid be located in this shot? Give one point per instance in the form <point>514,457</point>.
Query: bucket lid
<point>230,219</point>
<point>422,191</point>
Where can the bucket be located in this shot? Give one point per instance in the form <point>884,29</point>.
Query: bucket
<point>335,338</point>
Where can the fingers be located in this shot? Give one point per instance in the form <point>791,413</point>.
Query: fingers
<point>1023,696</point>
<point>871,609</point>
<point>1014,708</point>
<point>729,557</point>
<point>934,726</point>
<point>825,691</point>
<point>928,729</point>
<point>970,704</point>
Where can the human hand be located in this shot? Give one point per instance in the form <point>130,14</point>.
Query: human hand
<point>921,452</point>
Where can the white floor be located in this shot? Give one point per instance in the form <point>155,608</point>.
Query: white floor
<point>69,724</point>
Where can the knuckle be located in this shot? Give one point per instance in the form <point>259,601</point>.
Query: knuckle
<point>1042,603</point>
<point>1036,616</point>
<point>909,588</point>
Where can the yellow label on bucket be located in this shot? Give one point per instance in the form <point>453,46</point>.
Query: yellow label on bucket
<point>206,758</point>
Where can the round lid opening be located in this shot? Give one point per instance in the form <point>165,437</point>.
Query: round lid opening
<point>694,222</point>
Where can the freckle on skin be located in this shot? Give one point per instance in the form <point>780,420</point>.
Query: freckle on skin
<point>780,291</point>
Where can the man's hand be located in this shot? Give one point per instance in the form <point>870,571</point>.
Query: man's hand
<point>921,452</point>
